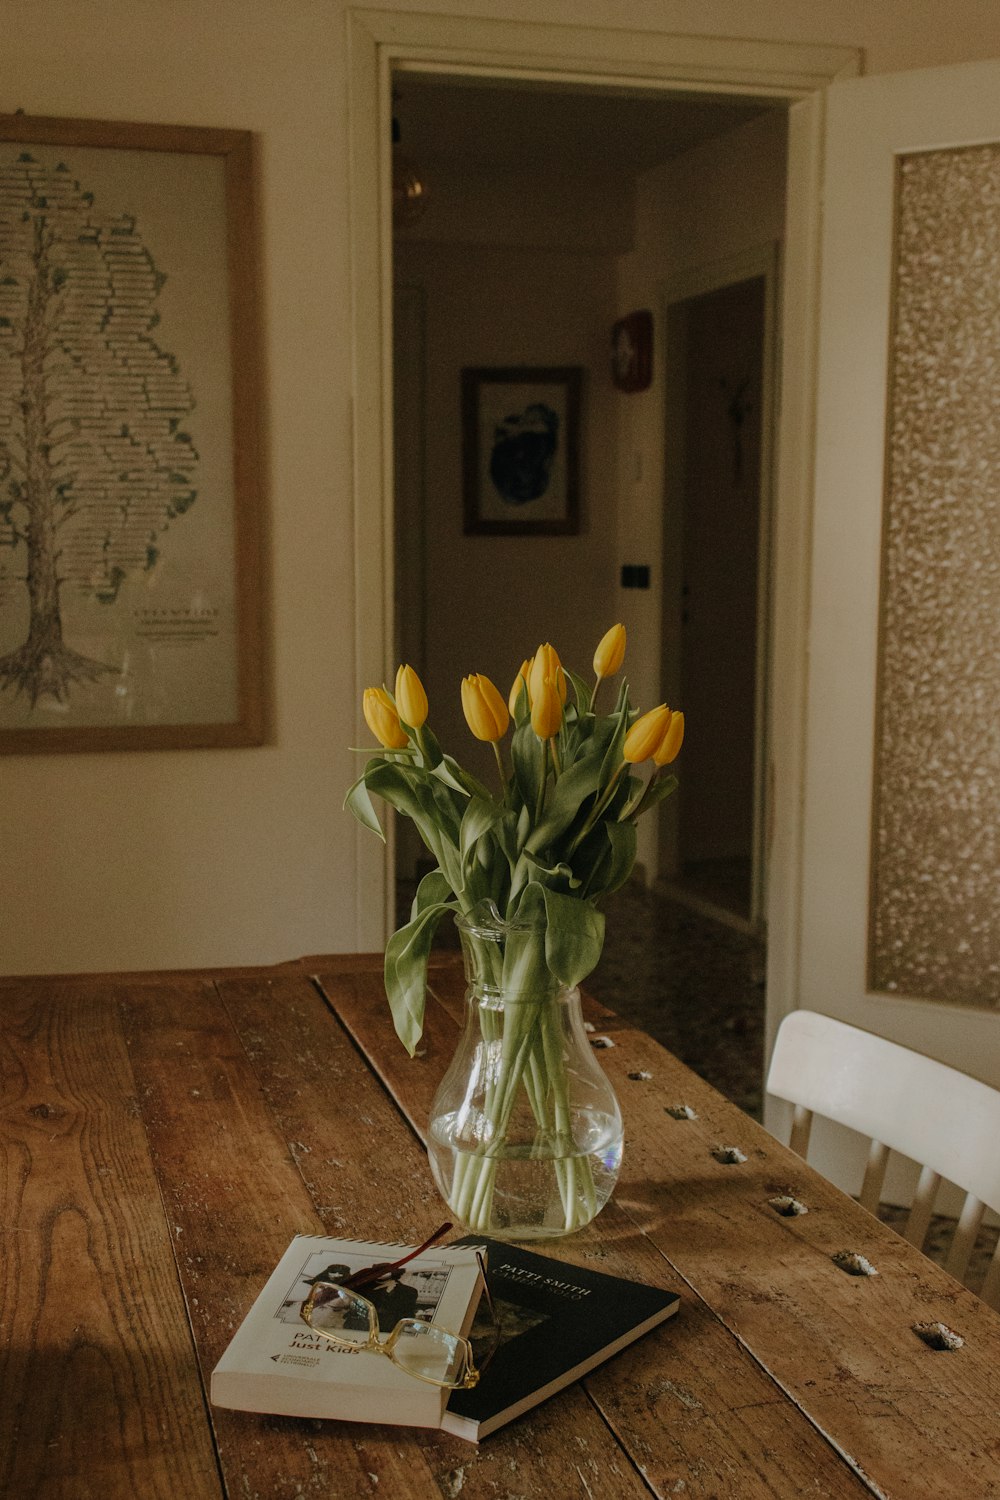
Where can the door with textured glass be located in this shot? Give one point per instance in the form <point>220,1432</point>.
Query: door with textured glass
<point>900,928</point>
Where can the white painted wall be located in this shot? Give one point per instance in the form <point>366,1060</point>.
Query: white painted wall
<point>192,858</point>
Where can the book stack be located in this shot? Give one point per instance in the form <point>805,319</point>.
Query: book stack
<point>557,1322</point>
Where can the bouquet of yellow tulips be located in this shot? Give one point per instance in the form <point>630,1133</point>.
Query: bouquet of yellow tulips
<point>522,866</point>
<point>558,836</point>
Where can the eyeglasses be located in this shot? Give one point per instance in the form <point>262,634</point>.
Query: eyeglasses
<point>423,1350</point>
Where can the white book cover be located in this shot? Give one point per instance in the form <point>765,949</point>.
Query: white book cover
<point>275,1363</point>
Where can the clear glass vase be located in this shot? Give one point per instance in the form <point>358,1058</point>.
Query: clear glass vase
<point>525,1133</point>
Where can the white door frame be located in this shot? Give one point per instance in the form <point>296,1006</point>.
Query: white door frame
<point>381,42</point>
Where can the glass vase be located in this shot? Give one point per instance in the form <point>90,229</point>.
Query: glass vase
<point>525,1132</point>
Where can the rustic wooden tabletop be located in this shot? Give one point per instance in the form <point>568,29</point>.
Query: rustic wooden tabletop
<point>164,1136</point>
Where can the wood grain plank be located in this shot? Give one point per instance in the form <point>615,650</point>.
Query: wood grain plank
<point>235,1198</point>
<point>692,1407</point>
<point>99,1388</point>
<point>368,1176</point>
<point>917,1422</point>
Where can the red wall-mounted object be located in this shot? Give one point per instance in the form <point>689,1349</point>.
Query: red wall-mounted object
<point>632,351</point>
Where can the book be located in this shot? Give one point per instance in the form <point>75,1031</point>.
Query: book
<point>557,1322</point>
<point>276,1363</point>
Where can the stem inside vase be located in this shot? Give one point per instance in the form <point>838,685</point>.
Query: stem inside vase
<point>525,1134</point>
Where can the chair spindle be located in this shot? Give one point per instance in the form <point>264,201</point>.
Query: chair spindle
<point>922,1207</point>
<point>965,1237</point>
<point>871,1188</point>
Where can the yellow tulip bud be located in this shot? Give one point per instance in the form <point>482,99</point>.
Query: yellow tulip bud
<point>644,737</point>
<point>610,652</point>
<point>546,709</point>
<point>411,700</point>
<point>485,711</point>
<point>520,681</point>
<point>668,748</point>
<point>383,720</point>
<point>546,663</point>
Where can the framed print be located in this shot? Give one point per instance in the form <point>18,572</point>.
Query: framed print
<point>130,571</point>
<point>521,450</point>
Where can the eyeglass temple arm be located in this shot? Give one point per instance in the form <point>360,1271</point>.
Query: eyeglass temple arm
<point>494,1314</point>
<point>375,1273</point>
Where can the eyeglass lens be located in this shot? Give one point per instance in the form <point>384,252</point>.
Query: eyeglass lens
<point>429,1352</point>
<point>419,1348</point>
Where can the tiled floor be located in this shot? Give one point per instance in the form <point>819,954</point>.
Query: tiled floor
<point>695,985</point>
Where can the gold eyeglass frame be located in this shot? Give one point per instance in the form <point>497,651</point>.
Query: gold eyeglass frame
<point>386,1346</point>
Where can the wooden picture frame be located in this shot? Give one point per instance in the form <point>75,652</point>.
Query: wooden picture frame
<point>521,450</point>
<point>131,611</point>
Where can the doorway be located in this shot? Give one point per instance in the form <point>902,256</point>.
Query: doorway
<point>381,42</point>
<point>717,566</point>
<point>526,256</point>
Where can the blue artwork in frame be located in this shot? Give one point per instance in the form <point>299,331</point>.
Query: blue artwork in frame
<point>520,440</point>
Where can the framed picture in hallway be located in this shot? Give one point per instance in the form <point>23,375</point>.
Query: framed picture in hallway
<point>521,450</point>
<point>130,589</point>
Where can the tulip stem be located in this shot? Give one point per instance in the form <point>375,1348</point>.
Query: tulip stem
<point>540,801</point>
<point>557,768</point>
<point>500,766</point>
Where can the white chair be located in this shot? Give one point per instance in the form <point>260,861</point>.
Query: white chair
<point>946,1121</point>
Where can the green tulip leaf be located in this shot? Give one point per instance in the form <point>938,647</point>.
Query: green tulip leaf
<point>359,803</point>
<point>615,744</point>
<point>430,805</point>
<point>480,816</point>
<point>526,756</point>
<point>433,890</point>
<point>622,840</point>
<point>657,791</point>
<point>452,774</point>
<point>582,692</point>
<point>522,705</point>
<point>406,956</point>
<point>574,936</point>
<point>573,787</point>
<point>560,876</point>
<point>429,748</point>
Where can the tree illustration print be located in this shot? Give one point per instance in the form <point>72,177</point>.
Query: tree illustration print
<point>94,460</point>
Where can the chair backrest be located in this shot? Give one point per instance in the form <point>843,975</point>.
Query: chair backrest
<point>946,1121</point>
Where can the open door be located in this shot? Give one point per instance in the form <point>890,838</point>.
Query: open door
<point>900,914</point>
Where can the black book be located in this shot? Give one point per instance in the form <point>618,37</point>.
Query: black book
<point>557,1323</point>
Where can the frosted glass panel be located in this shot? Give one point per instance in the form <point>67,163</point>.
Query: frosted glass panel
<point>935,930</point>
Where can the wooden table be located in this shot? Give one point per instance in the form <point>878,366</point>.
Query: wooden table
<point>165,1136</point>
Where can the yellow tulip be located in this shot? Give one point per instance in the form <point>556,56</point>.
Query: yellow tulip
<point>521,680</point>
<point>546,708</point>
<point>546,663</point>
<point>411,700</point>
<point>643,739</point>
<point>383,720</point>
<point>485,711</point>
<point>668,748</point>
<point>610,652</point>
